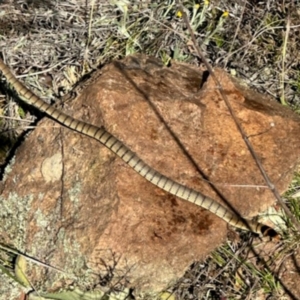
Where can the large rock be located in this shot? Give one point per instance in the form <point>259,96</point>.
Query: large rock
<point>71,203</point>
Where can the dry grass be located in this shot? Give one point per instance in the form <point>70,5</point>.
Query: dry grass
<point>53,44</point>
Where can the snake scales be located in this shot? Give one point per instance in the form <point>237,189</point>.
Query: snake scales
<point>128,156</point>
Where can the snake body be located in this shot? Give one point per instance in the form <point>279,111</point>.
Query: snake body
<point>130,158</point>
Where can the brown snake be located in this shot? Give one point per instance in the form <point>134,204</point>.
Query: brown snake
<point>116,146</point>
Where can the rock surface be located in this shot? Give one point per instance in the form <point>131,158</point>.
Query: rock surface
<point>71,203</point>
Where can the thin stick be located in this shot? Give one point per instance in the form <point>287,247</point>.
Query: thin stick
<point>288,26</point>
<point>32,259</point>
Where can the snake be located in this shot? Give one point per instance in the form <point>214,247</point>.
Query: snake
<point>132,159</point>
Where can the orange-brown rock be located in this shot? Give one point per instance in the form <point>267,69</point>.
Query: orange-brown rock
<point>70,202</point>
